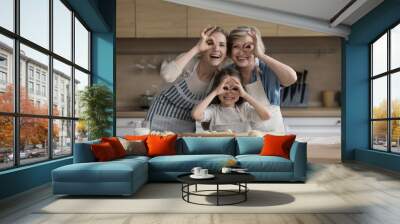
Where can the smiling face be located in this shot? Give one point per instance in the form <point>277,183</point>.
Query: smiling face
<point>217,54</point>
<point>241,52</point>
<point>231,95</point>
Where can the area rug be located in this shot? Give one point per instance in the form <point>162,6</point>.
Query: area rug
<point>166,198</point>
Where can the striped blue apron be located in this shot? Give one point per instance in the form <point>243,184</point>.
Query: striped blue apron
<point>171,109</point>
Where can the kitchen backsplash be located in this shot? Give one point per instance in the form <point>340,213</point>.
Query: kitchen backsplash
<point>139,60</point>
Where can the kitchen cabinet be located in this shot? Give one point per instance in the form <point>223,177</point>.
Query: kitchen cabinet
<point>126,18</point>
<point>126,126</point>
<point>313,126</point>
<point>288,31</point>
<point>156,18</point>
<point>198,19</point>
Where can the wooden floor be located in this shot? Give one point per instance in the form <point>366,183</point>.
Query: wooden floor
<point>378,189</point>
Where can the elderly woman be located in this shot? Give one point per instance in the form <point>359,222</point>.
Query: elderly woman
<point>262,75</point>
<point>192,74</point>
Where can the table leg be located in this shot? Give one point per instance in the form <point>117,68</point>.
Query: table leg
<point>217,194</point>
<point>245,191</point>
<point>188,190</point>
<point>196,188</point>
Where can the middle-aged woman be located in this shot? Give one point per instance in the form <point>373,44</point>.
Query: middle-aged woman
<point>191,73</point>
<point>262,75</point>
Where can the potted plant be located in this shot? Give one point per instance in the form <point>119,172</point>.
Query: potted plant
<point>96,102</point>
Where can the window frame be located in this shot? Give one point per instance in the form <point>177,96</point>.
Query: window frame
<point>16,114</point>
<point>388,74</point>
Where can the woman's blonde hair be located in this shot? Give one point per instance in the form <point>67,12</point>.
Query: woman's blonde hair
<point>242,31</point>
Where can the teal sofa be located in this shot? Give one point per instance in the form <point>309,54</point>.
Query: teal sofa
<point>125,176</point>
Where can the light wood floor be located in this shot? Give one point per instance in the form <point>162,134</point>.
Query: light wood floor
<point>379,189</point>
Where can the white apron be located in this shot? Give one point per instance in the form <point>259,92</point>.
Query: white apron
<point>275,122</point>
<point>242,125</point>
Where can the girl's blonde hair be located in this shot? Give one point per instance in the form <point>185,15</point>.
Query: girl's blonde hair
<point>242,31</point>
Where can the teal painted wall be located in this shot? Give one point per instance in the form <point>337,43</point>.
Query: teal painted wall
<point>99,15</point>
<point>103,64</point>
<point>103,53</point>
<point>24,178</point>
<point>355,129</point>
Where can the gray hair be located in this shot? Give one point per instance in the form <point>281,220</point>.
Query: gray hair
<point>242,31</point>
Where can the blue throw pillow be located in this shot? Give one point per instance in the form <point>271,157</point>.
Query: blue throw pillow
<point>206,145</point>
<point>249,145</point>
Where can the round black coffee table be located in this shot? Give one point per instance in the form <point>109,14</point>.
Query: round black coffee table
<point>238,179</point>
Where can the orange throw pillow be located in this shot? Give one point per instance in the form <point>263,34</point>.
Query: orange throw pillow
<point>277,145</point>
<point>103,152</point>
<point>159,145</point>
<point>135,137</point>
<point>116,145</point>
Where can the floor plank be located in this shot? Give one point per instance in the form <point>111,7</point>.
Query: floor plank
<point>376,190</point>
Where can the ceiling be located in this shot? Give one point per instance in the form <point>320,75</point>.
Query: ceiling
<point>316,15</point>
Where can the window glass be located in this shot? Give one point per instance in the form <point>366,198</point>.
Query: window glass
<point>62,29</point>
<point>33,139</point>
<point>81,131</point>
<point>39,62</point>
<point>395,47</point>
<point>62,137</point>
<point>379,56</point>
<point>7,14</point>
<point>34,21</point>
<point>395,136</point>
<point>81,45</point>
<point>6,142</point>
<point>62,91</point>
<point>81,81</point>
<point>34,81</point>
<point>379,135</point>
<point>379,97</point>
<point>395,95</point>
<point>6,74</point>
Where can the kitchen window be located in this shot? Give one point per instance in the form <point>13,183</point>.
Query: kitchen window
<point>384,91</point>
<point>50,46</point>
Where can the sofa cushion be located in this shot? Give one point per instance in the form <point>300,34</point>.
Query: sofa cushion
<point>131,158</point>
<point>249,145</point>
<point>206,145</point>
<point>185,163</point>
<point>112,171</point>
<point>83,152</point>
<point>257,163</point>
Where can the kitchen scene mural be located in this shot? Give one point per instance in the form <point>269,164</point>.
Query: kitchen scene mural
<point>147,37</point>
<point>316,60</point>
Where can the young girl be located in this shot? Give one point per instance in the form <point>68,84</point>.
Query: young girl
<point>228,109</point>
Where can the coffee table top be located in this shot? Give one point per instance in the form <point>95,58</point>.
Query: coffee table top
<point>220,178</point>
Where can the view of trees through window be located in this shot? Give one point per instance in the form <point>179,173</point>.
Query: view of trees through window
<point>39,109</point>
<point>385,91</point>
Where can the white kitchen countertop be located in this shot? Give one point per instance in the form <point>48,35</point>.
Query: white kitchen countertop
<point>286,112</point>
